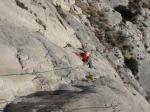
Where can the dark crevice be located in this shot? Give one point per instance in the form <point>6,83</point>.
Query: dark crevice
<point>132,64</point>
<point>41,23</point>
<point>21,5</point>
<point>19,59</point>
<point>61,22</point>
<point>125,12</point>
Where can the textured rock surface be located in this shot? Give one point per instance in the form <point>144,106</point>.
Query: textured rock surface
<point>38,42</point>
<point>99,96</point>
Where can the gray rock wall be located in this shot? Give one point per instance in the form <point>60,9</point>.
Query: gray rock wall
<point>38,45</point>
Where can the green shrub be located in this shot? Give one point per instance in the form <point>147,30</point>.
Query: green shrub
<point>92,20</point>
<point>89,77</point>
<point>132,64</point>
<point>97,18</point>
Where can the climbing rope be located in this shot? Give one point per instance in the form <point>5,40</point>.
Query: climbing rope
<point>40,72</point>
<point>34,73</point>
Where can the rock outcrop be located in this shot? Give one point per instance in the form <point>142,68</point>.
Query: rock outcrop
<point>98,96</point>
<point>39,40</point>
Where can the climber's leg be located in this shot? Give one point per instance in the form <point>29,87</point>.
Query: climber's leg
<point>90,64</point>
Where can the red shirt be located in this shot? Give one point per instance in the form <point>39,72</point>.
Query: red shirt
<point>85,57</point>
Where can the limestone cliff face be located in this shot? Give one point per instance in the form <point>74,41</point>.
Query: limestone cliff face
<point>38,42</point>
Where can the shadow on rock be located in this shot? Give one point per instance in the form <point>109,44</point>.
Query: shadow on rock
<point>45,101</point>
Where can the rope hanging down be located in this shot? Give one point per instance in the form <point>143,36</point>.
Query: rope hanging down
<point>40,72</point>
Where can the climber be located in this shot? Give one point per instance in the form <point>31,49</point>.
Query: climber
<point>86,58</point>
